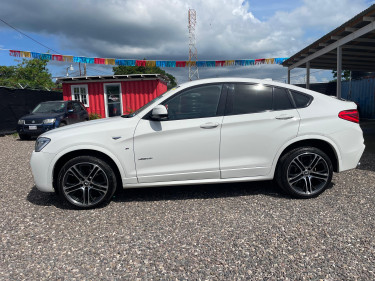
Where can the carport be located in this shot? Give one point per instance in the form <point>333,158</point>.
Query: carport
<point>351,46</point>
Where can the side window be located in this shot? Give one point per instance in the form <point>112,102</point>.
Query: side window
<point>69,106</point>
<point>301,100</point>
<point>250,99</point>
<point>199,102</point>
<point>281,100</point>
<point>82,107</point>
<point>76,107</point>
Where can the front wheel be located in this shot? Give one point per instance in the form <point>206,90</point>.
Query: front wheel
<point>304,172</point>
<point>24,137</point>
<point>86,182</point>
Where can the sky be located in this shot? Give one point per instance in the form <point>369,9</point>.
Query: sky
<point>158,30</point>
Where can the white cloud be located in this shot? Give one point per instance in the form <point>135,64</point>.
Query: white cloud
<point>226,29</point>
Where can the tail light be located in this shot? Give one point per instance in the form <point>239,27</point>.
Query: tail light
<point>350,115</point>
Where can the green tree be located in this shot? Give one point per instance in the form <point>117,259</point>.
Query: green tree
<point>125,70</point>
<point>345,75</point>
<point>29,73</point>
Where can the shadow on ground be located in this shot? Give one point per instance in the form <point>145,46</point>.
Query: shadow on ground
<point>188,192</point>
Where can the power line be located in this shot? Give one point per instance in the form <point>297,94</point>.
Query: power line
<point>36,41</point>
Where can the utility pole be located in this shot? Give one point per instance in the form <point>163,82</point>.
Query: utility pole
<point>193,57</point>
<point>84,70</point>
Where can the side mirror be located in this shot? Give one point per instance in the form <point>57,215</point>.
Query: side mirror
<point>159,112</point>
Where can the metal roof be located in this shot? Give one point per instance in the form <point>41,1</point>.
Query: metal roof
<point>357,39</point>
<point>113,77</point>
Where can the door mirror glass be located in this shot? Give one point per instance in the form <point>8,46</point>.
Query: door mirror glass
<point>159,112</point>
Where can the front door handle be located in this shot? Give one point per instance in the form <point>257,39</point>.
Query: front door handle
<point>209,125</point>
<point>284,117</point>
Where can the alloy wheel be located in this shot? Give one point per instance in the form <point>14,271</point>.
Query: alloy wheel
<point>85,184</point>
<point>308,173</point>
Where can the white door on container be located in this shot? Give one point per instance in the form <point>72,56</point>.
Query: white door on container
<point>113,99</point>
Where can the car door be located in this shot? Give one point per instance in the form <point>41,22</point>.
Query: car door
<point>83,115</point>
<point>258,121</point>
<point>70,119</point>
<point>75,116</point>
<point>186,145</point>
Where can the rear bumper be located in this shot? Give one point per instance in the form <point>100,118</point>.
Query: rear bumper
<point>350,160</point>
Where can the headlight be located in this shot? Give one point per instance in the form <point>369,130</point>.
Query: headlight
<point>21,122</point>
<point>49,121</point>
<point>41,143</point>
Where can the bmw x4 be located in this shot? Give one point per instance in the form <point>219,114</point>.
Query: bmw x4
<point>205,132</point>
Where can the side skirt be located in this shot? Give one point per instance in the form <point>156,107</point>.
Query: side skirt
<point>196,182</point>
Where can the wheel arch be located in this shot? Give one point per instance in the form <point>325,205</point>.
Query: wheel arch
<point>327,146</point>
<point>86,152</point>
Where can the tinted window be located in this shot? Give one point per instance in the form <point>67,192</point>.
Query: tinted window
<point>69,106</point>
<point>82,107</point>
<point>198,102</point>
<point>301,100</point>
<point>76,107</point>
<point>251,99</point>
<point>50,107</point>
<point>281,100</point>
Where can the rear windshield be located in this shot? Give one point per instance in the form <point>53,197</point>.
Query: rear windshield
<point>50,107</point>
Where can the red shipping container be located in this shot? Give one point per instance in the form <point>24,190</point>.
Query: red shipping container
<point>113,95</point>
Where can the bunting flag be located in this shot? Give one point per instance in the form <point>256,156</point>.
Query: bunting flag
<point>145,63</point>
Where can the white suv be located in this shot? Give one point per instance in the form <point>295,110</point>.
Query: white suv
<point>206,131</point>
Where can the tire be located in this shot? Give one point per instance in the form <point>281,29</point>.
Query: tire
<point>304,172</point>
<point>24,137</point>
<point>62,124</point>
<point>86,182</point>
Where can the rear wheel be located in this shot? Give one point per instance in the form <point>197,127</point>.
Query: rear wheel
<point>86,182</point>
<point>304,172</point>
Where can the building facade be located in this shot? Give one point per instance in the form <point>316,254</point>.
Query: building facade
<point>113,95</point>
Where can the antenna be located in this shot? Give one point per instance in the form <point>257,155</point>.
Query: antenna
<point>193,68</point>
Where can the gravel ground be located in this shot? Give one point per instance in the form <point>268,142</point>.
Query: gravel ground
<point>221,232</point>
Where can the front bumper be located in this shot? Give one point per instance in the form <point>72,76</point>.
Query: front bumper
<point>42,169</point>
<point>34,130</point>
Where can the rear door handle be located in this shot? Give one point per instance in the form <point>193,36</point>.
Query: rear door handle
<point>284,117</point>
<point>209,125</point>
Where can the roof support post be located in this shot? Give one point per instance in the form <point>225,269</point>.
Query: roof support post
<point>339,71</point>
<point>289,75</point>
<point>308,75</point>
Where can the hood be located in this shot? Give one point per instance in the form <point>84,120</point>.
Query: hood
<point>32,116</point>
<point>92,127</point>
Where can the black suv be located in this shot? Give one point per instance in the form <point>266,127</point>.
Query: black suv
<point>49,115</point>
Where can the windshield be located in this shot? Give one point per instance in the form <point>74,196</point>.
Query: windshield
<point>50,107</point>
<point>147,104</point>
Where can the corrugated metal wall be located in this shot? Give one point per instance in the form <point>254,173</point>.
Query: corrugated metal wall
<point>137,93</point>
<point>362,92</point>
<point>134,94</point>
